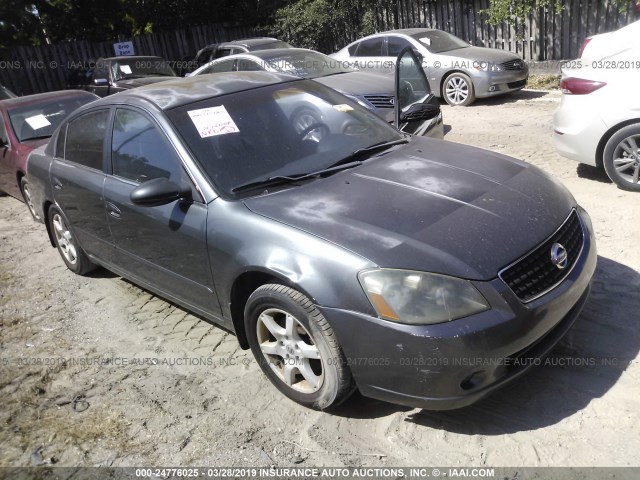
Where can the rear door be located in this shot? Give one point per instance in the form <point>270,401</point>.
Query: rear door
<point>164,246</point>
<point>77,177</point>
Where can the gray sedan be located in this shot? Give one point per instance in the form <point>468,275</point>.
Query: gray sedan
<point>458,72</point>
<point>372,90</point>
<point>348,255</point>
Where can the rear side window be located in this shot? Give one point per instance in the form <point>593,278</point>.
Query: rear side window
<point>395,45</point>
<point>85,139</point>
<point>220,67</point>
<point>370,48</point>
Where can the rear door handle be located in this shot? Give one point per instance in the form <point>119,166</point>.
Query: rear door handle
<point>113,210</point>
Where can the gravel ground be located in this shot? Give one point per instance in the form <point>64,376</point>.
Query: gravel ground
<point>203,401</point>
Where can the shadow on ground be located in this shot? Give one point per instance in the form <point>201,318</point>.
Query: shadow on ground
<point>506,98</point>
<point>590,172</point>
<point>601,345</point>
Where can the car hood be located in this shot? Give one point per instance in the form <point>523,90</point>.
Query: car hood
<point>360,83</point>
<point>139,82</point>
<point>430,205</point>
<point>482,54</point>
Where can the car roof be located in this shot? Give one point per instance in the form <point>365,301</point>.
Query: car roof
<point>273,52</point>
<point>183,91</point>
<point>40,97</point>
<point>250,42</point>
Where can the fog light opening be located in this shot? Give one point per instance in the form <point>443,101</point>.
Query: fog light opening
<point>474,380</point>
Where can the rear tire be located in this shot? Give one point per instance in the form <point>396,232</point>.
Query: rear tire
<point>70,250</point>
<point>26,195</point>
<point>296,348</point>
<point>621,158</point>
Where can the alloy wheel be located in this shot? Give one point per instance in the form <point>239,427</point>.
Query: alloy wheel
<point>626,159</point>
<point>64,239</point>
<point>457,90</point>
<point>290,350</point>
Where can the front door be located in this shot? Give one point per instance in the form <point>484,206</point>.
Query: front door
<point>163,246</point>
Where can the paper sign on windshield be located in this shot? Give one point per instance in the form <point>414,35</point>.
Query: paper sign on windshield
<point>426,40</point>
<point>37,121</point>
<point>126,69</point>
<point>213,121</point>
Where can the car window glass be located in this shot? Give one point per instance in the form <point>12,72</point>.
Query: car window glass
<point>222,52</point>
<point>4,138</point>
<point>244,65</point>
<point>395,45</point>
<point>60,143</point>
<point>370,48</point>
<point>85,139</point>
<point>140,151</point>
<point>224,66</point>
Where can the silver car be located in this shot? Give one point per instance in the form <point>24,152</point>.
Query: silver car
<point>372,90</point>
<point>457,71</point>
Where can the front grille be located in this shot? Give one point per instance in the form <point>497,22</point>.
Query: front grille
<point>513,65</point>
<point>518,84</point>
<point>535,274</point>
<point>380,101</point>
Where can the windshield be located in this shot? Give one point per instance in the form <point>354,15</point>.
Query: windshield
<point>285,129</point>
<point>437,41</point>
<point>39,120</point>
<point>141,67</point>
<point>306,64</point>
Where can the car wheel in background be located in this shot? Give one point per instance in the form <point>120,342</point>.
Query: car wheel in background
<point>67,244</point>
<point>457,90</point>
<point>621,158</point>
<point>296,348</point>
<point>26,195</point>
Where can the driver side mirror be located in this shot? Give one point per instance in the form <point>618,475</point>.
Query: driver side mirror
<point>159,191</point>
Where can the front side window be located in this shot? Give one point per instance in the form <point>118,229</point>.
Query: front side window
<point>140,151</point>
<point>370,48</point>
<point>85,139</point>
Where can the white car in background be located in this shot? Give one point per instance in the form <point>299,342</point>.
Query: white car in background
<point>604,45</point>
<point>598,121</point>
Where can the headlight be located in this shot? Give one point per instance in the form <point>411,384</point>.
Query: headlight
<point>359,101</point>
<point>487,66</point>
<point>420,298</point>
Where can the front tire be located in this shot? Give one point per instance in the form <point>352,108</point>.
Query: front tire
<point>621,158</point>
<point>296,348</point>
<point>458,90</point>
<point>70,250</point>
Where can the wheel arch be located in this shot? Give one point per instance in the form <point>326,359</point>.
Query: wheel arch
<point>46,207</point>
<point>243,286</point>
<point>607,136</point>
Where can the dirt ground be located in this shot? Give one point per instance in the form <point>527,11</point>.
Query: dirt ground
<point>145,383</point>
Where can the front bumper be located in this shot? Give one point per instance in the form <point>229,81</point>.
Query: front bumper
<point>454,364</point>
<point>489,84</point>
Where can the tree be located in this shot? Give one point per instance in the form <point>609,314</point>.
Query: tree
<point>19,24</point>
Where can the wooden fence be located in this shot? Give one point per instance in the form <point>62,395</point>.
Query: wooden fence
<point>27,70</point>
<point>545,35</point>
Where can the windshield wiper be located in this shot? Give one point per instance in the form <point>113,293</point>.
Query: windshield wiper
<point>266,182</point>
<point>370,149</point>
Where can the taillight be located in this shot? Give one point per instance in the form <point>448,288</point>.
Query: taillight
<point>584,45</point>
<point>580,86</point>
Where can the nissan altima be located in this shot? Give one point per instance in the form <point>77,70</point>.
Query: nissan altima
<point>347,255</point>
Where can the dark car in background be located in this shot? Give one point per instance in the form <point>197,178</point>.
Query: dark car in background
<point>219,50</point>
<point>25,124</point>
<point>116,74</point>
<point>374,91</point>
<point>347,255</point>
<point>5,93</point>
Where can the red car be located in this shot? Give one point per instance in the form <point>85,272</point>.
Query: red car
<point>25,124</point>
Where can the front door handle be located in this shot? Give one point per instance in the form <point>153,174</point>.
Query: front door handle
<point>113,210</point>
<point>57,184</point>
